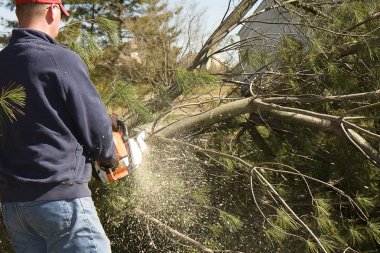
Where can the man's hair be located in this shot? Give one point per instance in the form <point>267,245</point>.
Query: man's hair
<point>32,9</point>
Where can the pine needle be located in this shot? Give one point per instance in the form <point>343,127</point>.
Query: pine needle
<point>87,45</point>
<point>356,235</point>
<point>230,221</point>
<point>366,203</point>
<point>322,207</point>
<point>188,80</point>
<point>373,228</point>
<point>313,247</point>
<point>123,94</point>
<point>326,225</point>
<point>329,244</point>
<point>285,221</point>
<point>201,196</point>
<point>110,27</point>
<point>12,100</point>
<point>275,234</point>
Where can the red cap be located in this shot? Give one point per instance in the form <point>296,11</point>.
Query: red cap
<point>21,2</point>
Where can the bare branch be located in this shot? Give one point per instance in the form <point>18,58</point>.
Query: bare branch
<point>307,25</point>
<point>174,232</point>
<point>225,27</point>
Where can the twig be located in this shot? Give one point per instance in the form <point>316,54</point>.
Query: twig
<point>174,232</point>
<point>265,217</point>
<point>361,129</point>
<point>366,151</point>
<point>362,108</point>
<point>370,18</point>
<point>305,25</point>
<point>290,210</point>
<point>353,203</point>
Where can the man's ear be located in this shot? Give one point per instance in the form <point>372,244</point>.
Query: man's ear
<point>50,14</point>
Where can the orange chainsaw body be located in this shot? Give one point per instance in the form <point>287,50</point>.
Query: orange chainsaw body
<point>122,152</point>
<point>121,171</point>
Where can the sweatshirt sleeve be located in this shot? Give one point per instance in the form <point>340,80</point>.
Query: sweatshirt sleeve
<point>89,115</point>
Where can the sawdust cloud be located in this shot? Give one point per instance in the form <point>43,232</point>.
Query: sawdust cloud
<point>169,182</point>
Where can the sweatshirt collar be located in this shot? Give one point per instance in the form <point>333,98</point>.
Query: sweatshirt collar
<point>26,34</point>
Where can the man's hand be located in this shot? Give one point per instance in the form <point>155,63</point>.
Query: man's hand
<point>110,163</point>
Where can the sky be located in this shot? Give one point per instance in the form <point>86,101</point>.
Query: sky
<point>214,11</point>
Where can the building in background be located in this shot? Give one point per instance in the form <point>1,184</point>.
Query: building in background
<point>261,34</point>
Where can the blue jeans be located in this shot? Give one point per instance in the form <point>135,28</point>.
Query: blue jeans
<point>65,226</point>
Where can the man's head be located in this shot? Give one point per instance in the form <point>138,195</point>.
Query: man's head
<point>43,15</point>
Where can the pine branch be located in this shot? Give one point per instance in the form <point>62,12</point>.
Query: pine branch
<point>12,100</point>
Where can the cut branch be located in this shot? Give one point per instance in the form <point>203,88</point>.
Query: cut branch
<point>251,105</point>
<point>323,122</point>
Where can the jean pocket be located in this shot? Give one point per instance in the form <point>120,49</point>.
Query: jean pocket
<point>50,218</point>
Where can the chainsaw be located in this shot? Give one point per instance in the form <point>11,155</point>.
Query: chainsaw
<point>129,152</point>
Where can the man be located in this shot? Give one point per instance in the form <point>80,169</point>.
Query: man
<point>44,155</point>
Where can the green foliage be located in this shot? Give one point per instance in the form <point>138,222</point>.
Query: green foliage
<point>285,221</point>
<point>329,244</point>
<point>326,225</point>
<point>322,207</point>
<point>276,234</point>
<point>12,100</point>
<point>201,196</point>
<point>154,35</point>
<point>357,235</point>
<point>230,221</point>
<point>87,45</point>
<point>116,10</point>
<point>373,229</point>
<point>190,80</point>
<point>122,94</point>
<point>366,203</point>
<point>110,28</point>
<point>312,246</point>
<point>331,53</point>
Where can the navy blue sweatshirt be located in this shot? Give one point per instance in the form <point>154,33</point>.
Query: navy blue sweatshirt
<point>44,155</point>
